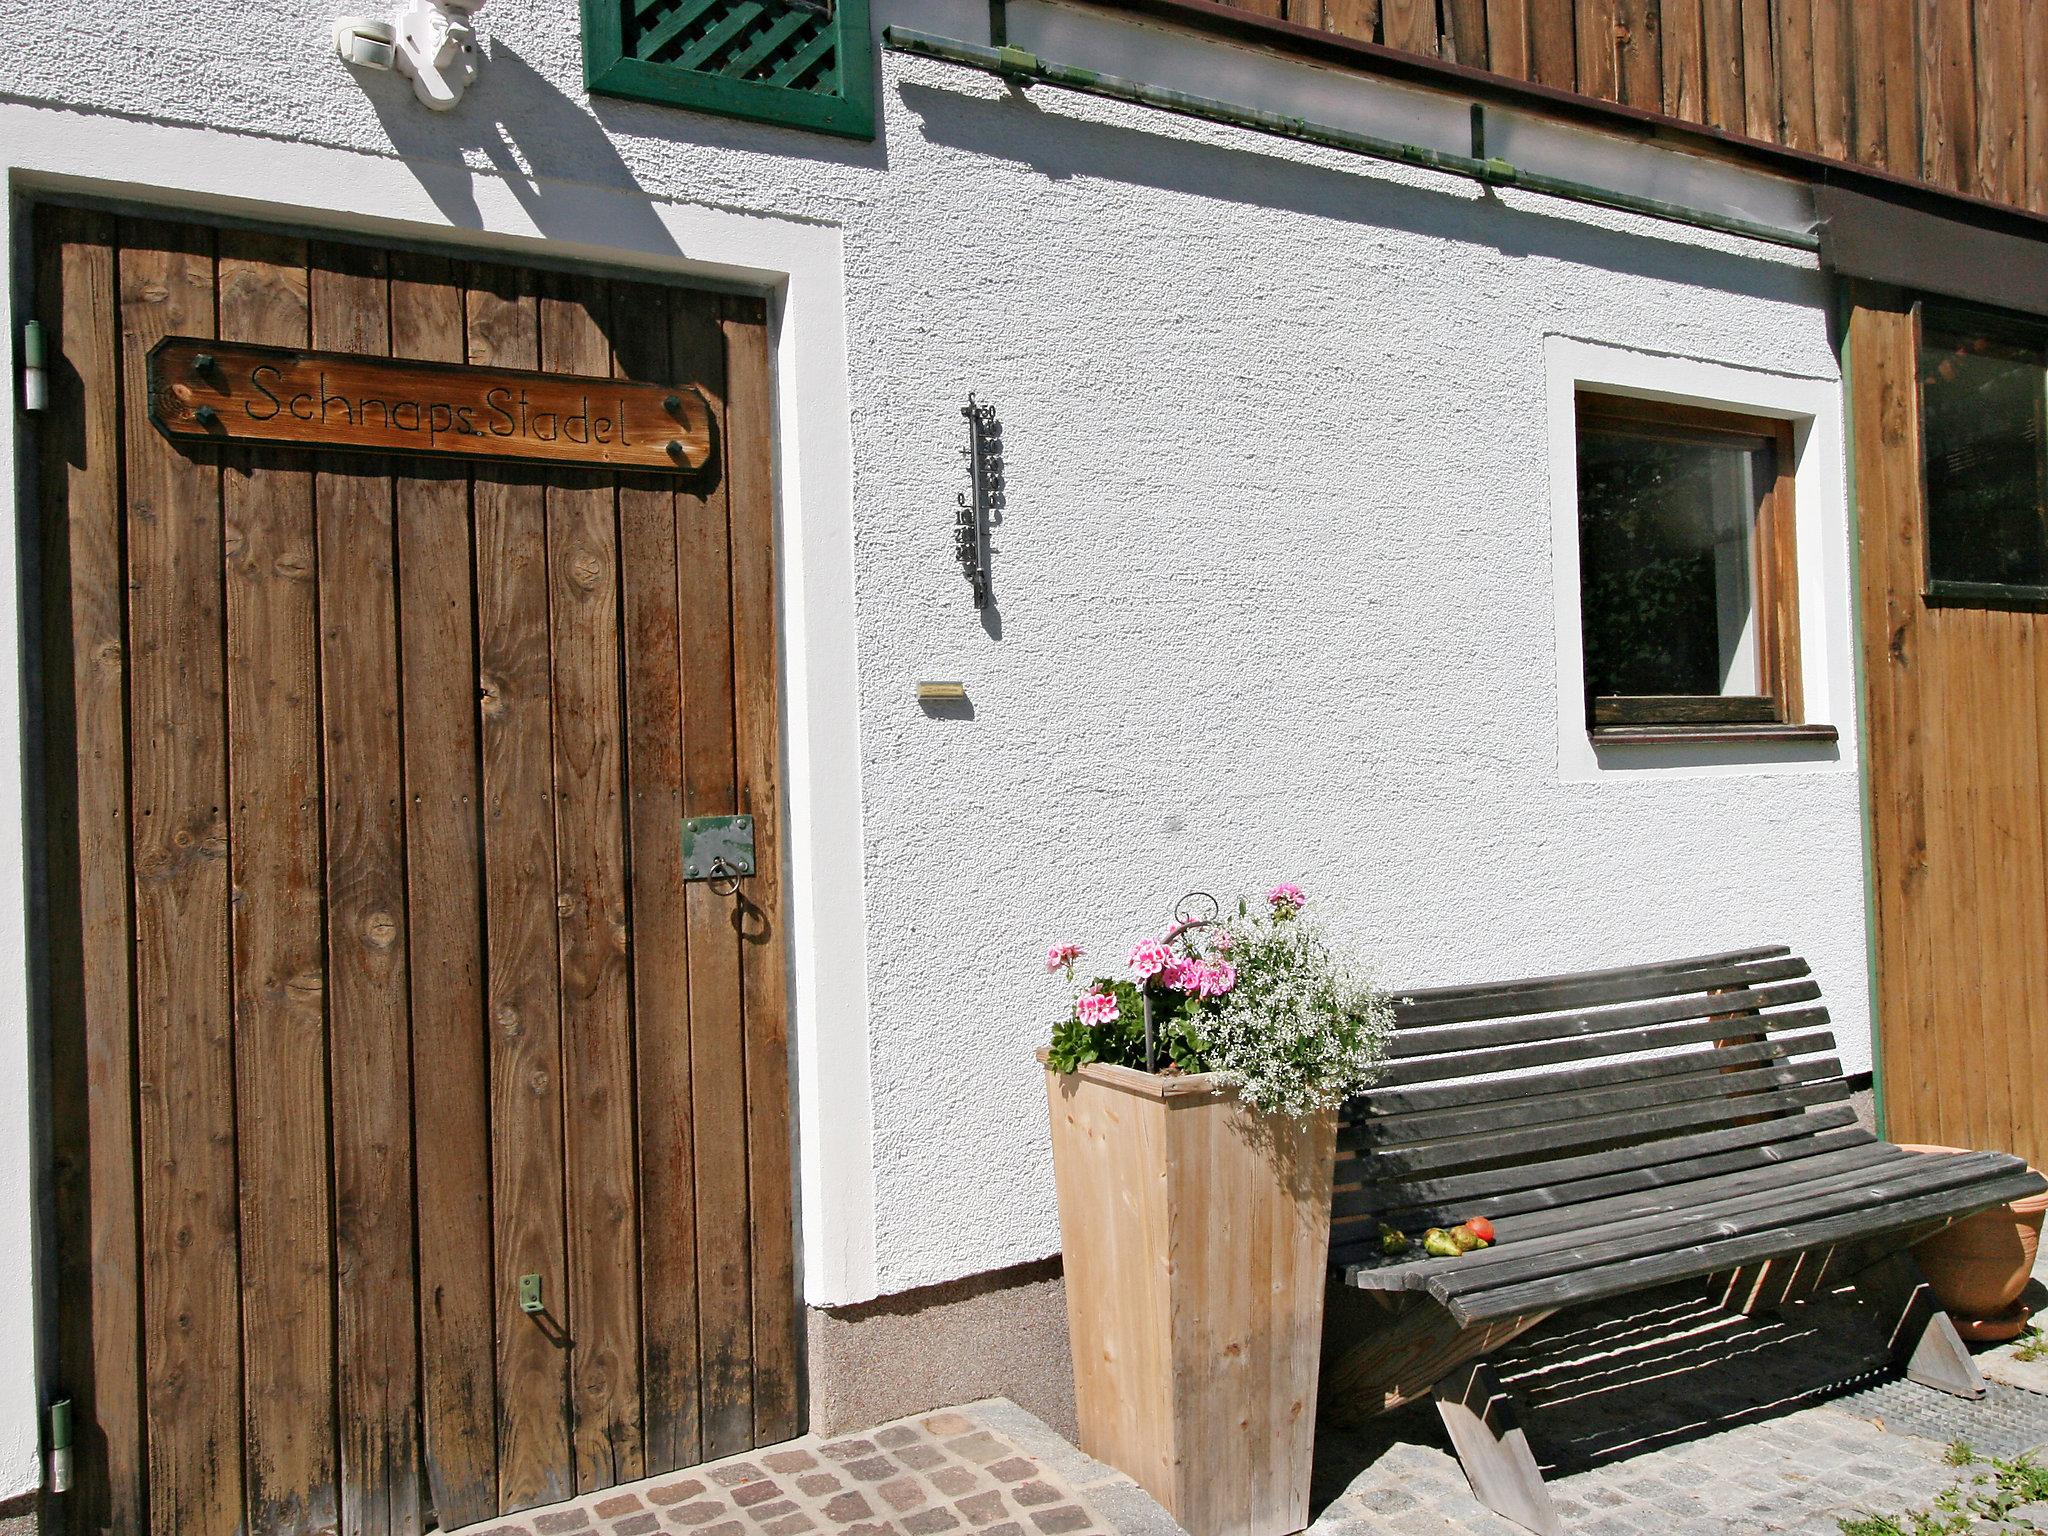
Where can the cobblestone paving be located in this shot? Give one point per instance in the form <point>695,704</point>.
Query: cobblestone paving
<point>945,1472</point>
<point>1662,1414</point>
<point>1658,1416</point>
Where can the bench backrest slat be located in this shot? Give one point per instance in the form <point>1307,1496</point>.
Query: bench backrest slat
<point>1475,1064</point>
<point>1496,1095</point>
<point>1410,1039</point>
<point>1655,968</point>
<point>1786,1091</point>
<point>1464,1093</point>
<point>1601,1090</point>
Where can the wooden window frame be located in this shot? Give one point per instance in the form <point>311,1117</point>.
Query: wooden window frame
<point>1995,325</point>
<point>1779,710</point>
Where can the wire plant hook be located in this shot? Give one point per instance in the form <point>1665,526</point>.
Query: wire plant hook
<point>1197,909</point>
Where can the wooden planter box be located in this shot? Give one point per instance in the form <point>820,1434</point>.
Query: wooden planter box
<point>1196,1236</point>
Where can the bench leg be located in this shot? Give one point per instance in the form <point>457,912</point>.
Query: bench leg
<point>1493,1450</point>
<point>1923,1340</point>
<point>1382,1349</point>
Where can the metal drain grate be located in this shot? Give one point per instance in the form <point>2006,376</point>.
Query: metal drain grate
<point>2004,1422</point>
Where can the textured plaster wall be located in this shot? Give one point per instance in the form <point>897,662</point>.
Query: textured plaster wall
<point>1273,589</point>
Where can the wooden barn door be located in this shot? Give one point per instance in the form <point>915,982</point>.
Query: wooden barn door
<point>376,984</point>
<point>1958,790</point>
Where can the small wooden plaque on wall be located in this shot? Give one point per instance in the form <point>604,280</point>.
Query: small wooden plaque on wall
<point>227,392</point>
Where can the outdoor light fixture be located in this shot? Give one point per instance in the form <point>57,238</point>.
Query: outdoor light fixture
<point>430,42</point>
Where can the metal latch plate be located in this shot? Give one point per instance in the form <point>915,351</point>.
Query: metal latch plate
<point>717,847</point>
<point>529,1294</point>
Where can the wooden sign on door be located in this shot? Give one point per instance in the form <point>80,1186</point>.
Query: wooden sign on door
<point>227,392</point>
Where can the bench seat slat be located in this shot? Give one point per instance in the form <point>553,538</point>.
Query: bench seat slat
<point>1795,1235</point>
<point>1556,1181</point>
<point>1802,1190</point>
<point>1804,1088</point>
<point>1519,1026</point>
<point>1779,1164</point>
<point>1442,1070</point>
<point>1413,1009</point>
<point>1381,1103</point>
<point>1641,1237</point>
<point>1663,1080</point>
<point>1554,1240</point>
<point>1664,1185</point>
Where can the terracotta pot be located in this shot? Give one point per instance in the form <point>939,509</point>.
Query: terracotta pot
<point>1979,1265</point>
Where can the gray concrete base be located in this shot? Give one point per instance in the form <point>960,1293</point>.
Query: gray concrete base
<point>1002,1334</point>
<point>18,1516</point>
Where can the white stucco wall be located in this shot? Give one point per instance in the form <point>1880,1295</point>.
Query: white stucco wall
<point>1276,591</point>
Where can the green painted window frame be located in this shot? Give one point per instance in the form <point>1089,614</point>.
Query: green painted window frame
<point>609,71</point>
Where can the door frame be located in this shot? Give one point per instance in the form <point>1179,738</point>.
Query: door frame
<point>198,174</point>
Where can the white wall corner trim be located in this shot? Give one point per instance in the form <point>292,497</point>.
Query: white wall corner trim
<point>1820,498</point>
<point>800,264</point>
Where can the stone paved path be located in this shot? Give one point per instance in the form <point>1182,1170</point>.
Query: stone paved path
<point>1664,1415</point>
<point>1657,1416</point>
<point>944,1472</point>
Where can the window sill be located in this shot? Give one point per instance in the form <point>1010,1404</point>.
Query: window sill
<point>1647,735</point>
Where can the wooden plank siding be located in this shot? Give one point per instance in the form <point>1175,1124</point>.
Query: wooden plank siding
<point>1958,789</point>
<point>376,984</point>
<point>1954,92</point>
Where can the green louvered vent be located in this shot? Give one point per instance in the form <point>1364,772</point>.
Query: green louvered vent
<point>786,45</point>
<point>804,63</point>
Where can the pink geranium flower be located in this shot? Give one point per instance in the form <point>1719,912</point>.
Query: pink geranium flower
<point>1062,956</point>
<point>1286,898</point>
<point>1096,1008</point>
<point>1220,976</point>
<point>1149,957</point>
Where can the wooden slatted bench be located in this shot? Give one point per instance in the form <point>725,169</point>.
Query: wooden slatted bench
<point>1622,1129</point>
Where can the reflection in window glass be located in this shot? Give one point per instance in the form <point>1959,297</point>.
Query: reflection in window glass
<point>1667,527</point>
<point>1982,404</point>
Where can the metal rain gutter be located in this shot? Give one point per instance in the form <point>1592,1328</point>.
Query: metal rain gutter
<point>1018,65</point>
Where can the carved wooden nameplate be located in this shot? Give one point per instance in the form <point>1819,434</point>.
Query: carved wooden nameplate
<point>227,392</point>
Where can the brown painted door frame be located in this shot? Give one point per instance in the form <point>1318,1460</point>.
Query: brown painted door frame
<point>1956,786</point>
<point>374,981</point>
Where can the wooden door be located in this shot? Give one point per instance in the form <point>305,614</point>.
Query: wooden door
<point>1958,791</point>
<point>375,983</point>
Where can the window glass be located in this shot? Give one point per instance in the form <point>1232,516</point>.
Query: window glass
<point>1667,559</point>
<point>1982,407</point>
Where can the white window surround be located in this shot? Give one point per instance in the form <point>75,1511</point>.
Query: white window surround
<point>1820,502</point>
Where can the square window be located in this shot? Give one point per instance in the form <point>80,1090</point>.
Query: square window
<point>1984,454</point>
<point>1688,591</point>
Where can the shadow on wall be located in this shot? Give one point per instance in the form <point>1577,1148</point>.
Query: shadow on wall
<point>552,148</point>
<point>1059,147</point>
<point>549,144</point>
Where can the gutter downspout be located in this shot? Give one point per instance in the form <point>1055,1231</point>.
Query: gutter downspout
<point>1021,67</point>
<point>1843,300</point>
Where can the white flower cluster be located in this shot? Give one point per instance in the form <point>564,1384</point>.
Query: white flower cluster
<point>1304,1029</point>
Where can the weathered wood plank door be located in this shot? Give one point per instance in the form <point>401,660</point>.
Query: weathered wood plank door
<point>1957,786</point>
<point>376,984</point>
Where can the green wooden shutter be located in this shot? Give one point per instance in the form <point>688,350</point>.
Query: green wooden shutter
<point>801,63</point>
